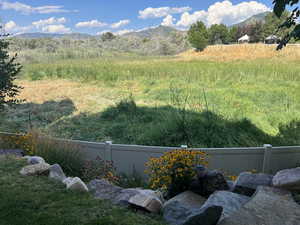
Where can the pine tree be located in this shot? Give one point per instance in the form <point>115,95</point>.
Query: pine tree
<point>9,70</point>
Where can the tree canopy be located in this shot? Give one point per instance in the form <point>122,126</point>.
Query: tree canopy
<point>9,70</point>
<point>198,36</point>
<point>291,21</point>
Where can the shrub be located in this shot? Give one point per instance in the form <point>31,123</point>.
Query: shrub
<point>174,171</point>
<point>99,169</point>
<point>18,141</point>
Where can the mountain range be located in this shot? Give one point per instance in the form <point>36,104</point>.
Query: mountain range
<point>160,31</point>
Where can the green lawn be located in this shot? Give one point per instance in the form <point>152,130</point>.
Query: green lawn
<point>40,201</point>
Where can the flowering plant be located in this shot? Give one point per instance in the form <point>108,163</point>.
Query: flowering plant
<point>174,171</point>
<point>24,142</point>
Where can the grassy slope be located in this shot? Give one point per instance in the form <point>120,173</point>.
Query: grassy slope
<point>249,81</point>
<point>39,201</point>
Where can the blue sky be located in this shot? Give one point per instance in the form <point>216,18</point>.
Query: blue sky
<point>119,16</point>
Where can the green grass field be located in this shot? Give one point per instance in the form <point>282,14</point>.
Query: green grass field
<point>40,201</point>
<point>250,102</point>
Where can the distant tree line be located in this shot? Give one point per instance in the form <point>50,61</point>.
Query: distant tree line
<point>200,36</point>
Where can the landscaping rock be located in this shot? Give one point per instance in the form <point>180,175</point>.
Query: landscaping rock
<point>35,160</point>
<point>269,206</point>
<point>288,179</point>
<point>36,169</point>
<point>146,201</point>
<point>230,202</point>
<point>56,173</point>
<point>206,216</point>
<point>178,209</point>
<point>75,184</point>
<point>102,189</point>
<point>247,183</point>
<point>212,181</point>
<point>230,185</point>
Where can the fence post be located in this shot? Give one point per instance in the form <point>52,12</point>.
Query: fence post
<point>184,147</point>
<point>108,152</point>
<point>267,158</point>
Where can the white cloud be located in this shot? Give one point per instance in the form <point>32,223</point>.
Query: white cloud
<point>12,27</point>
<point>161,12</point>
<point>92,23</point>
<point>223,12</point>
<point>27,9</point>
<point>49,21</point>
<point>168,21</point>
<point>120,24</point>
<point>125,31</point>
<point>60,28</point>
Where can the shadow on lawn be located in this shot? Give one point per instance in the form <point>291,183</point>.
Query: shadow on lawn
<point>23,116</point>
<point>127,123</point>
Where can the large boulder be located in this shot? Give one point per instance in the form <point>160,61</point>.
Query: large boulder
<point>104,190</point>
<point>288,179</point>
<point>75,184</point>
<point>36,169</point>
<point>247,183</point>
<point>179,208</point>
<point>146,201</point>
<point>35,160</point>
<point>268,206</point>
<point>57,173</point>
<point>206,216</point>
<point>209,183</point>
<point>230,202</point>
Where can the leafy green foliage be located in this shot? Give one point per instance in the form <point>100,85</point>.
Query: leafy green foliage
<point>198,36</point>
<point>9,70</point>
<point>219,34</point>
<point>108,36</point>
<point>290,22</point>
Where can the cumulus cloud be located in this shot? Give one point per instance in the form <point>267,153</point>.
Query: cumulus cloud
<point>49,21</point>
<point>120,24</point>
<point>92,23</point>
<point>223,12</point>
<point>168,21</point>
<point>12,27</point>
<point>161,12</point>
<point>60,28</point>
<point>27,9</point>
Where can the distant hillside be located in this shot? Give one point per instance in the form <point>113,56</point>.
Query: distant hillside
<point>253,19</point>
<point>163,32</point>
<point>47,35</point>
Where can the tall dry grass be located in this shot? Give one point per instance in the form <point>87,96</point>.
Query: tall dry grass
<point>243,52</point>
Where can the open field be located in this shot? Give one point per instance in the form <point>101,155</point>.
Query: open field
<point>251,92</point>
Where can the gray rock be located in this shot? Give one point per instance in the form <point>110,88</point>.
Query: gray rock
<point>206,216</point>
<point>230,185</point>
<point>148,202</point>
<point>56,173</point>
<point>230,202</point>
<point>210,182</point>
<point>75,184</point>
<point>178,209</point>
<point>36,169</point>
<point>102,189</point>
<point>35,160</point>
<point>13,152</point>
<point>247,183</point>
<point>269,206</point>
<point>288,179</point>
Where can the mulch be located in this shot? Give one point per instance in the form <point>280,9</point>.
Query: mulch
<point>15,152</point>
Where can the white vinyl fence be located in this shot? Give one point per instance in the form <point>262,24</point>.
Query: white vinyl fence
<point>127,158</point>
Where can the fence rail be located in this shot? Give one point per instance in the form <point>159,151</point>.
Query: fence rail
<point>127,158</point>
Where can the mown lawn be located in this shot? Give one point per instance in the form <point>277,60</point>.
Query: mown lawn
<point>39,201</point>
